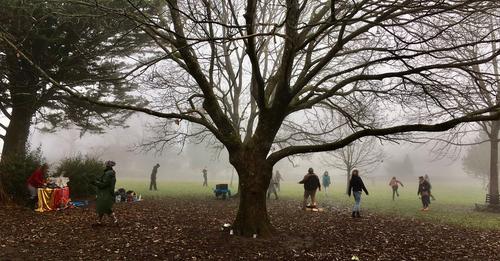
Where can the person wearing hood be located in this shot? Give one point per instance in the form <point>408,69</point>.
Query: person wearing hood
<point>356,185</point>
<point>311,184</point>
<point>326,181</point>
<point>106,193</point>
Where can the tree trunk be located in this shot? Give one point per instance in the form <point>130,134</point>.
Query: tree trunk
<point>493,189</point>
<point>23,87</point>
<point>17,133</point>
<point>252,218</point>
<point>348,175</point>
<point>15,141</point>
<point>3,196</point>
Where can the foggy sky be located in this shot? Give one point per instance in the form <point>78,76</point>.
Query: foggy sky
<point>118,144</point>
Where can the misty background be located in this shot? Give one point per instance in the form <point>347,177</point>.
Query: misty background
<point>185,162</point>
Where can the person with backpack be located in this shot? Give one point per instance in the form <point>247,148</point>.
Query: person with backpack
<point>311,184</point>
<point>356,185</point>
<point>424,191</point>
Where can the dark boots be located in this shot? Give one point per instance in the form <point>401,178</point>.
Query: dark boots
<point>353,214</point>
<point>356,214</point>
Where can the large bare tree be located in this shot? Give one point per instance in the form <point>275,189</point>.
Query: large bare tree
<point>262,77</point>
<point>482,90</point>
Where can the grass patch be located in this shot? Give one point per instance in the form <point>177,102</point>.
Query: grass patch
<point>454,205</point>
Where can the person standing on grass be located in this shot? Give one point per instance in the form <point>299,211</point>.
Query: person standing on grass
<point>278,179</point>
<point>272,188</point>
<point>326,182</point>
<point>356,185</point>
<point>426,177</point>
<point>424,191</point>
<point>106,193</point>
<point>311,184</point>
<point>394,183</point>
<point>153,177</point>
<point>205,177</point>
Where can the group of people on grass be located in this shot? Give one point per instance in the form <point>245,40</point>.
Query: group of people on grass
<point>105,184</point>
<point>356,187</point>
<point>154,172</point>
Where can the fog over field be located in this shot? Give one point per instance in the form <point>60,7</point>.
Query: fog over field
<point>118,144</point>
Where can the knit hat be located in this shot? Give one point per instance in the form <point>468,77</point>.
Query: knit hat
<point>110,163</point>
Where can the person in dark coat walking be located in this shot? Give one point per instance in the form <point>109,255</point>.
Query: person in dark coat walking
<point>106,193</point>
<point>278,178</point>
<point>311,184</point>
<point>426,178</point>
<point>205,176</point>
<point>153,177</point>
<point>356,185</point>
<point>272,188</point>
<point>424,191</point>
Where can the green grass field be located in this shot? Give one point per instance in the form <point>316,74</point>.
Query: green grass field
<point>453,205</point>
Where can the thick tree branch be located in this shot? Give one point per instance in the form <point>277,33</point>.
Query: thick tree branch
<point>258,83</point>
<point>76,95</point>
<point>439,127</point>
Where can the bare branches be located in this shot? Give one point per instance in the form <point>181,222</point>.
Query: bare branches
<point>276,74</point>
<point>258,84</point>
<point>443,126</point>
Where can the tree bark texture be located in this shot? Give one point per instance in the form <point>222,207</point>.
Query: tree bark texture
<point>3,195</point>
<point>493,188</point>
<point>17,133</point>
<point>254,177</point>
<point>23,88</point>
<point>348,175</point>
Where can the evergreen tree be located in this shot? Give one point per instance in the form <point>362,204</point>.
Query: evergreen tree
<point>74,47</point>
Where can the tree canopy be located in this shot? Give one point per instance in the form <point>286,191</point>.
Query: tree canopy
<point>78,49</point>
<point>267,79</point>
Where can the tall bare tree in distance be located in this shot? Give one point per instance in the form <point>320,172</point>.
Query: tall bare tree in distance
<point>482,85</point>
<point>262,77</point>
<point>362,154</point>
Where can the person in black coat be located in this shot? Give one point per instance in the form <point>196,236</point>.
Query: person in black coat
<point>152,184</point>
<point>311,184</point>
<point>356,185</point>
<point>424,190</point>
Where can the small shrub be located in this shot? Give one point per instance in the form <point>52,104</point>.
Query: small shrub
<point>16,171</point>
<point>80,170</point>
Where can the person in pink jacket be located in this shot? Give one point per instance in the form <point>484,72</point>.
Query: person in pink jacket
<point>394,183</point>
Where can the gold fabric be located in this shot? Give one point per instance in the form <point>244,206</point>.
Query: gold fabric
<point>45,199</point>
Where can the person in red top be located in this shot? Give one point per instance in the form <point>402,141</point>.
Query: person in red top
<point>37,180</point>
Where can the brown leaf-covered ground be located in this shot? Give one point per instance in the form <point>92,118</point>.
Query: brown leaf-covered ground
<point>190,229</point>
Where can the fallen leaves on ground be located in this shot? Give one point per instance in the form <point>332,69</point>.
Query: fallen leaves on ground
<point>190,229</point>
